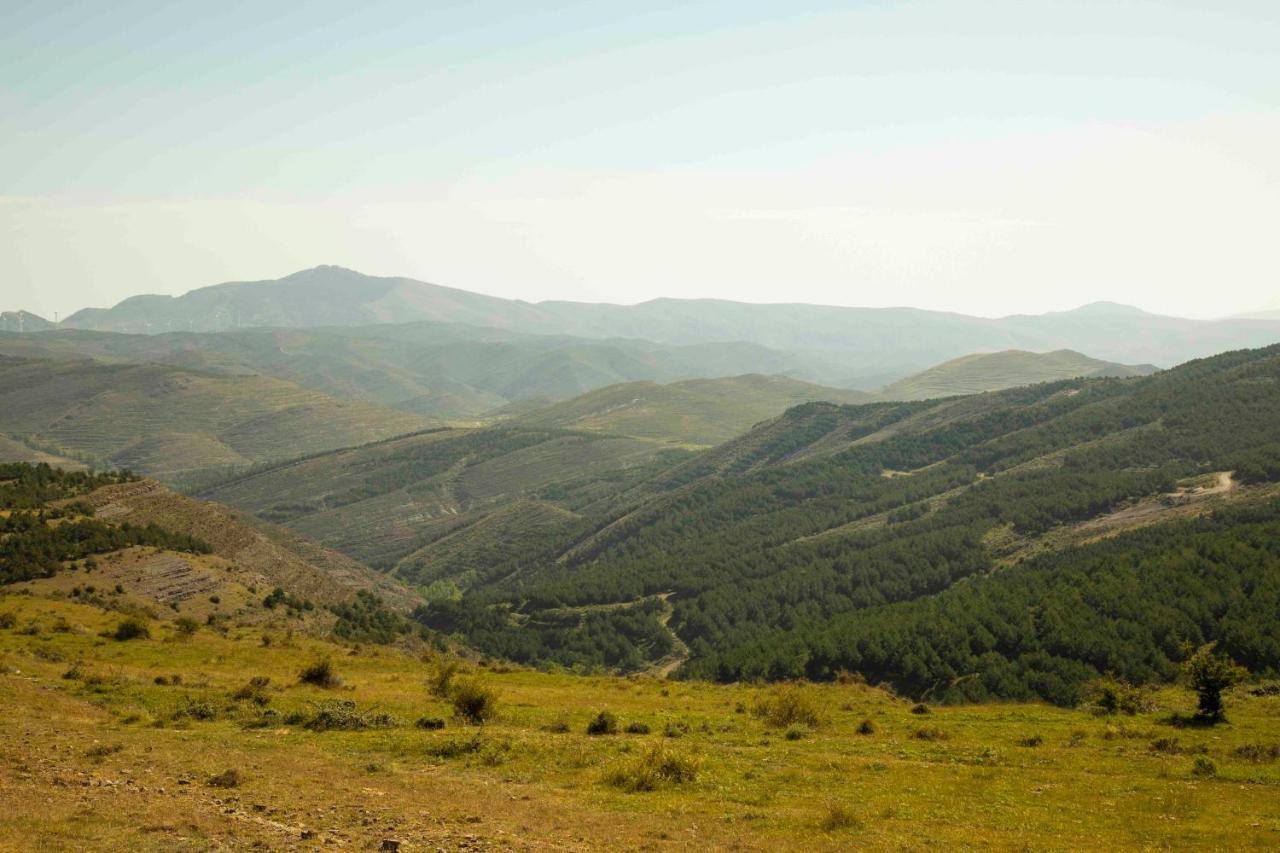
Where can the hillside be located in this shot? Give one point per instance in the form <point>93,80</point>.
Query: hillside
<point>974,374</point>
<point>169,743</point>
<point>138,547</point>
<point>867,538</point>
<point>699,411</point>
<point>386,503</point>
<point>169,422</point>
<point>436,369</point>
<point>856,347</point>
<point>23,321</point>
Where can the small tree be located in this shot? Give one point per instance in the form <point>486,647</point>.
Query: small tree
<point>1208,674</point>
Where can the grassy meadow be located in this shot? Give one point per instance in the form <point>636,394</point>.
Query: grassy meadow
<point>166,742</point>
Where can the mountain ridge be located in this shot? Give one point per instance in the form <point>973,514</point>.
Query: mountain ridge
<point>874,340</point>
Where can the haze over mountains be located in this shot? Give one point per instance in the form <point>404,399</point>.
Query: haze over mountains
<point>847,347</point>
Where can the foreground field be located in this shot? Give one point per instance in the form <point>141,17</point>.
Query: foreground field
<point>102,747</point>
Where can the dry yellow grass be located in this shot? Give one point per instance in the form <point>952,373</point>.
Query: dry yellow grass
<point>109,760</point>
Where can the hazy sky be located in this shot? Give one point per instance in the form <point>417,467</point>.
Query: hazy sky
<point>980,156</point>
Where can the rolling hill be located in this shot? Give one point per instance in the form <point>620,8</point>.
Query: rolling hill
<point>974,374</point>
<point>170,422</point>
<point>697,411</point>
<point>384,503</point>
<point>436,369</point>
<point>909,541</point>
<point>24,321</point>
<point>159,549</point>
<point>853,347</point>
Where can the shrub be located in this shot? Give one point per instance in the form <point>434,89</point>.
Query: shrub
<point>844,676</point>
<point>920,708</point>
<point>1208,674</point>
<point>255,690</point>
<point>455,747</point>
<point>637,728</point>
<point>1110,695</point>
<point>230,778</point>
<point>440,680</point>
<point>866,727</point>
<point>790,705</point>
<point>1257,752</point>
<point>320,673</point>
<point>839,816</point>
<point>197,709</point>
<point>186,626</point>
<point>429,723</point>
<point>474,701</point>
<point>794,734</point>
<point>675,728</point>
<point>603,723</point>
<point>929,734</point>
<point>102,750</point>
<point>1204,768</point>
<point>559,726</point>
<point>8,619</point>
<point>1169,745</point>
<point>131,628</point>
<point>1031,741</point>
<point>344,715</point>
<point>657,767</point>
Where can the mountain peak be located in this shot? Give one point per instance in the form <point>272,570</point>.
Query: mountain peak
<point>1104,307</point>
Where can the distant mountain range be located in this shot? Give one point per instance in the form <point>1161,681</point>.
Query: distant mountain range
<point>848,347</point>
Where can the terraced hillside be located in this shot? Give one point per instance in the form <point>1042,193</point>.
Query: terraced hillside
<point>168,422</point>
<point>697,411</point>
<point>386,503</point>
<point>974,374</point>
<point>140,547</point>
<point>909,541</point>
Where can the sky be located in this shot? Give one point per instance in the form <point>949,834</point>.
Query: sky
<point>982,156</point>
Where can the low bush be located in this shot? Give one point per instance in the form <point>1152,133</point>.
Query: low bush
<point>8,619</point>
<point>603,723</point>
<point>321,674</point>
<point>131,628</point>
<point>675,728</point>
<point>657,767</point>
<point>1257,752</point>
<point>455,747</point>
<point>1110,695</point>
<point>345,716</point>
<point>185,626</point>
<point>229,778</point>
<point>790,705</point>
<point>429,723</point>
<point>474,701</point>
<point>929,734</point>
<point>1204,768</point>
<point>637,728</point>
<point>1031,741</point>
<point>442,678</point>
<point>866,727</point>
<point>839,816</point>
<point>920,708</point>
<point>255,690</point>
